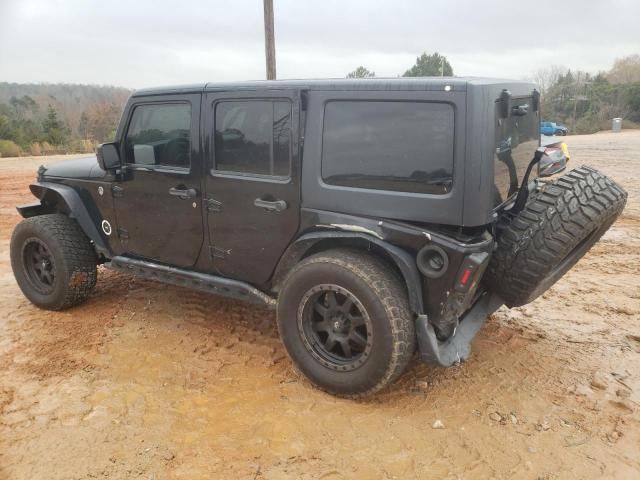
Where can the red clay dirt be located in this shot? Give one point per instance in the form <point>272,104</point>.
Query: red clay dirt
<point>151,381</point>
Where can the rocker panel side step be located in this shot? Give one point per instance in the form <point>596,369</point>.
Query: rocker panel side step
<point>195,280</point>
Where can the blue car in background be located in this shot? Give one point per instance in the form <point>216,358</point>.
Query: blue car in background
<point>552,128</point>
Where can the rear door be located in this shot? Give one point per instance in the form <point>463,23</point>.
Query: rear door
<point>252,187</point>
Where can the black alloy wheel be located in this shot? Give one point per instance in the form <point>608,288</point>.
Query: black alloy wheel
<point>39,265</point>
<point>344,318</point>
<point>335,327</point>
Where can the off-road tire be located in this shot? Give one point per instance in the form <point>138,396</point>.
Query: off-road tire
<point>558,225</point>
<point>380,290</point>
<point>72,256</point>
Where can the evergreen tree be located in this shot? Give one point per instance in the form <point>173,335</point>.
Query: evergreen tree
<point>361,72</point>
<point>434,65</point>
<point>55,131</point>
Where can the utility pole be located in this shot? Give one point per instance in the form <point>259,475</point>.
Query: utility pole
<point>269,41</point>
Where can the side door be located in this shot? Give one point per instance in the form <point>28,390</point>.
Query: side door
<point>158,199</point>
<point>253,186</point>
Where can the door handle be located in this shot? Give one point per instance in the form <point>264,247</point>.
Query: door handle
<point>271,206</point>
<point>183,193</point>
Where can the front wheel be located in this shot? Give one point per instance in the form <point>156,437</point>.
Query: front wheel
<point>53,261</point>
<point>344,319</point>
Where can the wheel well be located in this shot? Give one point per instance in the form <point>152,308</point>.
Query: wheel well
<point>54,202</point>
<point>358,243</point>
<point>67,202</point>
<point>51,201</point>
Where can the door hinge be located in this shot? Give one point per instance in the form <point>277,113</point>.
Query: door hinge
<point>123,233</point>
<point>217,252</point>
<point>117,191</point>
<point>214,205</point>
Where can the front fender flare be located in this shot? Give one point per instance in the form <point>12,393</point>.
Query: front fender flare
<point>73,206</point>
<point>403,260</point>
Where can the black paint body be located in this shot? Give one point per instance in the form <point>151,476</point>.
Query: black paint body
<point>252,229</point>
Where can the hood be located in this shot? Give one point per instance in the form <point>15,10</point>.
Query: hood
<point>86,167</point>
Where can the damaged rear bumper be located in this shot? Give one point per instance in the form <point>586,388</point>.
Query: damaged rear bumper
<point>456,348</point>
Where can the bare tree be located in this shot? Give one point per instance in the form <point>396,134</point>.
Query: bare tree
<point>625,70</point>
<point>548,76</point>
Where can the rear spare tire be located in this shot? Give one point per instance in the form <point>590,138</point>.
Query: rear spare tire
<point>558,225</point>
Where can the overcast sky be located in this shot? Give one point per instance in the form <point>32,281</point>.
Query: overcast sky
<point>136,43</point>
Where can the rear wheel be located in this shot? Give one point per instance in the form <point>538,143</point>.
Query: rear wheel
<point>558,225</point>
<point>344,318</point>
<point>53,261</point>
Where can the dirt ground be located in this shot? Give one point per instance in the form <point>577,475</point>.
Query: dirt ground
<point>156,382</point>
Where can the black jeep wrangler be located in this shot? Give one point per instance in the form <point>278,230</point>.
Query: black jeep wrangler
<point>372,214</point>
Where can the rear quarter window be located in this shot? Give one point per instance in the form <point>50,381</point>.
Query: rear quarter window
<point>389,145</point>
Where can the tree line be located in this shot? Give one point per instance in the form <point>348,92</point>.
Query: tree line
<point>587,102</point>
<point>583,101</point>
<point>427,65</point>
<point>41,119</point>
<point>57,118</point>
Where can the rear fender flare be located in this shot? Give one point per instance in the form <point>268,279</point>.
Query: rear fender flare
<point>56,197</point>
<point>403,261</point>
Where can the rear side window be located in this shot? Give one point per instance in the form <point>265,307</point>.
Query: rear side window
<point>160,135</point>
<point>397,146</point>
<point>253,137</point>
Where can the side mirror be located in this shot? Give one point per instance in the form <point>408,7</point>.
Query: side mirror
<point>108,156</point>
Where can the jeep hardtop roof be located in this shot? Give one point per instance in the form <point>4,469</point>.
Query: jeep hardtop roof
<point>401,83</point>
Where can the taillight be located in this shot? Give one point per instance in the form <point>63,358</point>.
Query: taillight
<point>471,270</point>
<point>464,278</point>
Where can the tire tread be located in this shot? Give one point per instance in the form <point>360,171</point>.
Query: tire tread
<point>388,287</point>
<point>554,221</point>
<point>78,255</point>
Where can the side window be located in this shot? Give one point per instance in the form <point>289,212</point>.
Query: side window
<point>160,134</point>
<point>396,146</point>
<point>253,137</point>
